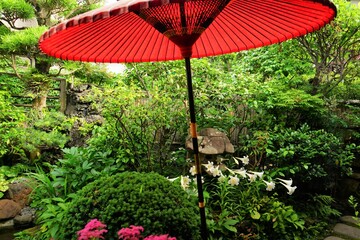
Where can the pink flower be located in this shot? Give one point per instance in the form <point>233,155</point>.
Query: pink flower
<point>94,229</point>
<point>130,233</point>
<point>161,237</point>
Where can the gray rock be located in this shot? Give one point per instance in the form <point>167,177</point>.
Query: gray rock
<point>350,220</point>
<point>212,142</point>
<point>8,224</point>
<point>347,231</point>
<point>25,218</point>
<point>333,238</point>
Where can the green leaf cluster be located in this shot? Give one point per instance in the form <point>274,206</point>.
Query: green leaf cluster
<point>16,9</point>
<point>314,158</point>
<point>22,42</point>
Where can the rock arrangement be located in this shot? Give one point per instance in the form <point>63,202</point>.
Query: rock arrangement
<point>347,229</point>
<point>78,106</point>
<point>14,207</point>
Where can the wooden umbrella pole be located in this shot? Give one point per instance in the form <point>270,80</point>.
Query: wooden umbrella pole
<point>193,132</point>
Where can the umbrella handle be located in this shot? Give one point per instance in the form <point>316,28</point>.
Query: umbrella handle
<point>193,132</point>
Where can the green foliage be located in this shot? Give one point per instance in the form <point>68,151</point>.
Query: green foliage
<point>246,211</point>
<point>141,131</point>
<point>314,158</point>
<point>25,138</point>
<point>10,119</point>
<point>353,202</point>
<point>336,62</point>
<point>51,202</point>
<point>320,206</point>
<point>79,167</point>
<point>277,104</point>
<point>132,198</point>
<point>54,190</point>
<point>22,42</point>
<point>12,10</point>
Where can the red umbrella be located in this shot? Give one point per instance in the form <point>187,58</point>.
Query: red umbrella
<point>161,30</point>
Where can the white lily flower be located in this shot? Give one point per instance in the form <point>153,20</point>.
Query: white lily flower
<point>209,166</point>
<point>244,160</point>
<point>172,179</point>
<point>193,170</point>
<point>287,182</point>
<point>259,174</point>
<point>234,181</point>
<point>290,189</point>
<point>185,181</point>
<point>252,177</point>
<point>269,185</point>
<point>241,172</point>
<point>215,171</point>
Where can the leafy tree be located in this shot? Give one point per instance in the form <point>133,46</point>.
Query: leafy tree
<point>15,45</point>
<point>334,50</point>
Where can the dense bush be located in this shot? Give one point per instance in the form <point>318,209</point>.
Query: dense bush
<point>132,198</point>
<point>313,158</point>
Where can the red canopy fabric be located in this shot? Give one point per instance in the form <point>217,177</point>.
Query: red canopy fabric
<point>157,30</point>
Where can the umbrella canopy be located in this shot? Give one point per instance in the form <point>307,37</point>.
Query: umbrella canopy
<point>161,30</point>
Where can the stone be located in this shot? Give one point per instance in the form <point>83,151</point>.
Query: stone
<point>355,176</point>
<point>350,220</point>
<point>19,191</point>
<point>347,231</point>
<point>8,209</point>
<point>212,142</point>
<point>21,220</point>
<point>7,224</point>
<point>25,218</point>
<point>333,238</point>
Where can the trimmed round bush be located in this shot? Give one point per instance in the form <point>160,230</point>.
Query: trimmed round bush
<point>132,198</point>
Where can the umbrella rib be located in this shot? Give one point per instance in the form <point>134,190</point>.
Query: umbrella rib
<point>230,29</point>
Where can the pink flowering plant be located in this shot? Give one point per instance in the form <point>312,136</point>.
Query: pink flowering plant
<point>134,233</point>
<point>95,230</point>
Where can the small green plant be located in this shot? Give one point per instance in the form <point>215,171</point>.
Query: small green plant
<point>354,204</point>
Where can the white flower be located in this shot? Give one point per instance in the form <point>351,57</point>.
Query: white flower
<point>185,181</point>
<point>172,179</point>
<point>234,180</point>
<point>215,171</point>
<point>209,166</point>
<point>287,182</point>
<point>258,174</point>
<point>241,172</point>
<point>290,189</point>
<point>252,177</point>
<point>244,160</point>
<point>222,178</point>
<point>193,170</point>
<point>269,185</point>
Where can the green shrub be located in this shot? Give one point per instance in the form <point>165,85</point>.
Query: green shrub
<point>314,158</point>
<point>131,198</point>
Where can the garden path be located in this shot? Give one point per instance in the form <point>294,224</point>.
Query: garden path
<point>347,229</point>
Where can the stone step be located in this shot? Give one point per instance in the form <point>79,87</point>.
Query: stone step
<point>350,220</point>
<point>346,231</point>
<point>334,238</point>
